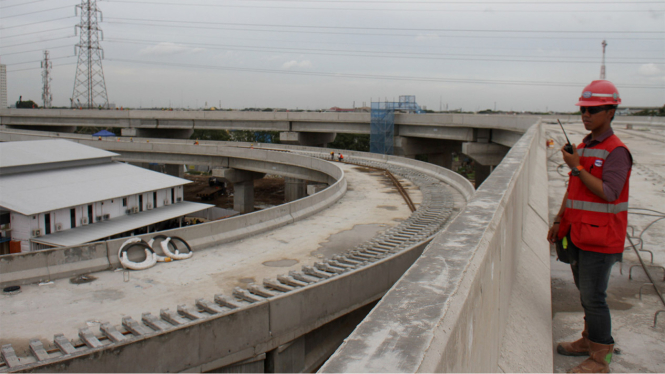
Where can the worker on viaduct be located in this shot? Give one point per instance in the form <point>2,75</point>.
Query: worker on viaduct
<point>591,224</point>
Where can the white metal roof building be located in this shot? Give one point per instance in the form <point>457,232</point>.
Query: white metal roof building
<point>62,193</point>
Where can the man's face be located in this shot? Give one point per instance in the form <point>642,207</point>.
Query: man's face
<point>597,120</point>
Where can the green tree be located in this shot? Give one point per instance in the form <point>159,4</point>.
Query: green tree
<point>221,135</point>
<point>28,104</point>
<point>351,142</point>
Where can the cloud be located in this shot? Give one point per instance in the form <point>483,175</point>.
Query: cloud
<point>649,70</point>
<point>306,64</point>
<point>167,48</point>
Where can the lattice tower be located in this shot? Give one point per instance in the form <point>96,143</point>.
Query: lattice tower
<point>46,80</point>
<point>89,84</point>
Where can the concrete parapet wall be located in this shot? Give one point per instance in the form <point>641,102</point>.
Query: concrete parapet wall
<point>31,267</point>
<point>478,299</point>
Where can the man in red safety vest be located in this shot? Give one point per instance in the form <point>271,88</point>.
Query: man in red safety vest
<point>592,221</point>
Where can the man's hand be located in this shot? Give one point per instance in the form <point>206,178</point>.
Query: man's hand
<point>572,160</point>
<point>553,234</point>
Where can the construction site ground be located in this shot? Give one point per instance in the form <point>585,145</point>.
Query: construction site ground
<point>639,345</point>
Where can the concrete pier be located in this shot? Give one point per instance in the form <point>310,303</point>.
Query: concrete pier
<point>243,187</point>
<point>294,189</point>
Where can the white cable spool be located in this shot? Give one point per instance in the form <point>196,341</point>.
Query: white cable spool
<point>159,258</point>
<point>150,255</point>
<point>177,255</point>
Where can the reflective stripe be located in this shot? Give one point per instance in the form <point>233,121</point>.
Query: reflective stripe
<point>602,95</point>
<point>597,207</point>
<point>592,152</point>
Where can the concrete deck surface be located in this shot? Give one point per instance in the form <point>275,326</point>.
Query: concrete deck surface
<point>370,206</point>
<point>641,346</point>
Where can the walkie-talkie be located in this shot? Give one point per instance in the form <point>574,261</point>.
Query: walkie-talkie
<point>568,147</point>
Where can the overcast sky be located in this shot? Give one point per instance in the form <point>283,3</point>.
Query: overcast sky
<point>314,54</point>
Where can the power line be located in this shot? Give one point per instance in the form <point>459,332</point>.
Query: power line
<point>376,54</point>
<point>370,76</point>
<point>32,62</point>
<point>449,2</point>
<point>35,50</point>
<point>382,45</point>
<point>38,41</point>
<point>39,68</point>
<point>397,9</point>
<point>395,28</point>
<point>21,4</point>
<point>37,11</point>
<point>373,34</point>
<point>34,23</point>
<point>36,32</point>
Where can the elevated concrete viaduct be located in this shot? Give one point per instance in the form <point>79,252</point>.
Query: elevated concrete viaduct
<point>283,325</point>
<point>461,307</point>
<point>437,135</point>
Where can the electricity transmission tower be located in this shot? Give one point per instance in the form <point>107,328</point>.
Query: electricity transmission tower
<point>89,84</point>
<point>602,67</point>
<point>46,80</point>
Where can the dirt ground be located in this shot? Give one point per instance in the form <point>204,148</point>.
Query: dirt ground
<point>268,192</point>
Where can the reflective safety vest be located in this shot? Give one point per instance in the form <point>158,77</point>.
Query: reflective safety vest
<point>595,225</point>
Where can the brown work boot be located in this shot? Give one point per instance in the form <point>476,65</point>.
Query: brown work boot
<point>579,347</point>
<point>599,359</point>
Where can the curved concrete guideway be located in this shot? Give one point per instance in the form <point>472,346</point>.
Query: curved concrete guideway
<point>385,249</point>
<point>370,206</point>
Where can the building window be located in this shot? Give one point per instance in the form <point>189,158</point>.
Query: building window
<point>172,195</point>
<point>124,201</point>
<point>154,199</point>
<point>72,217</point>
<point>141,203</point>
<point>47,223</point>
<point>90,215</point>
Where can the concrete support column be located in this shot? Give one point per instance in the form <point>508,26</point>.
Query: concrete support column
<point>243,196</point>
<point>175,170</point>
<point>128,131</point>
<point>486,156</point>
<point>287,358</point>
<point>438,151</point>
<point>482,172</point>
<point>309,139</point>
<point>294,189</point>
<point>243,187</point>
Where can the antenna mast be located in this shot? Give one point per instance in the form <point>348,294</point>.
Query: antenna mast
<point>602,67</point>
<point>46,80</point>
<point>89,84</point>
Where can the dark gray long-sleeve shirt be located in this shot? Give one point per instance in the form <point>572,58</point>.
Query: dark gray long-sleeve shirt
<point>615,168</point>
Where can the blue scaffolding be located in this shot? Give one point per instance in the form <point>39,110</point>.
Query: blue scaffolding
<point>382,124</point>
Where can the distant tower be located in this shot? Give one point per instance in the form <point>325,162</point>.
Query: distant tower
<point>46,79</point>
<point>89,84</point>
<point>3,86</point>
<point>602,67</point>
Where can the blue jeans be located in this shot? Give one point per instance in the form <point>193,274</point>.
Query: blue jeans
<point>591,271</point>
